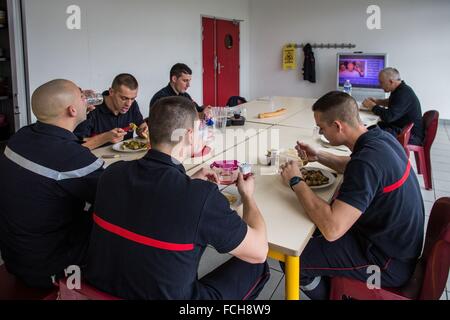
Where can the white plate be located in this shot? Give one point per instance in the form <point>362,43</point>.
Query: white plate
<point>118,147</point>
<point>326,173</point>
<point>233,191</point>
<point>327,144</point>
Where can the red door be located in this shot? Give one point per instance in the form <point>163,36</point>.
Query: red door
<point>220,61</point>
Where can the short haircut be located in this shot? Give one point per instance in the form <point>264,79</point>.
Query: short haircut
<point>391,74</point>
<point>337,105</point>
<point>178,69</point>
<point>125,79</point>
<point>170,114</point>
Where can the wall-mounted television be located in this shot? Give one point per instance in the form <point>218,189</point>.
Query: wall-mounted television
<point>362,70</point>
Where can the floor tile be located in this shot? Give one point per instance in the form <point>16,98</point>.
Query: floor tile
<point>271,285</point>
<point>441,184</point>
<point>440,159</point>
<point>428,206</point>
<point>440,147</point>
<point>274,264</point>
<point>279,294</point>
<point>439,166</point>
<point>428,195</point>
<point>441,175</point>
<point>210,260</point>
<point>442,193</point>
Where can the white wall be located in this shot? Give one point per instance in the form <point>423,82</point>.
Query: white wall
<point>142,37</point>
<point>415,34</point>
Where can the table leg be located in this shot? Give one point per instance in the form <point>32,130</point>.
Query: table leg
<point>292,278</point>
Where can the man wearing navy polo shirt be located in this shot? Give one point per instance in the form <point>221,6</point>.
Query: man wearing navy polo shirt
<point>153,222</point>
<point>378,216</point>
<point>180,81</point>
<point>47,179</point>
<point>401,109</point>
<point>110,122</point>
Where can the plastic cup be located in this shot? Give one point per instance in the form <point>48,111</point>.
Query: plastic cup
<point>94,98</point>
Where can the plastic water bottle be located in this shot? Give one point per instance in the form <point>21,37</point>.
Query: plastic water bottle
<point>348,87</point>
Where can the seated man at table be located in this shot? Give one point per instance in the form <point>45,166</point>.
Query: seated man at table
<point>180,81</point>
<point>110,121</point>
<point>147,243</point>
<point>402,107</point>
<point>47,178</point>
<point>377,218</point>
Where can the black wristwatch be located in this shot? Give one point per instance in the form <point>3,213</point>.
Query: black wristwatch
<point>295,181</point>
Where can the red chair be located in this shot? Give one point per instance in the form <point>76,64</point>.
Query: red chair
<point>11,288</point>
<point>422,153</point>
<point>430,276</point>
<point>404,136</point>
<point>86,292</point>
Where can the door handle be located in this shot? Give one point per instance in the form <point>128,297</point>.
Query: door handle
<point>219,68</point>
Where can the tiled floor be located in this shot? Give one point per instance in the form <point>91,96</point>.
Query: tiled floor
<point>274,290</point>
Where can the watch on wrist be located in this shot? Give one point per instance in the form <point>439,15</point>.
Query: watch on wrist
<point>295,181</point>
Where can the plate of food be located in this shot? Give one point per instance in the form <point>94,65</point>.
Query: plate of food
<point>233,197</point>
<point>134,145</point>
<point>317,178</point>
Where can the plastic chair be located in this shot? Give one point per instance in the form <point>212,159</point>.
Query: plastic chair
<point>11,288</point>
<point>86,292</point>
<point>422,153</point>
<point>430,276</point>
<point>404,136</point>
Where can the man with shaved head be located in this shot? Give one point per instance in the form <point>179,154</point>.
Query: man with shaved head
<point>402,107</point>
<point>48,180</point>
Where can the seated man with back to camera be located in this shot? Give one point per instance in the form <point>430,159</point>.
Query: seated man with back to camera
<point>167,219</point>
<point>47,179</point>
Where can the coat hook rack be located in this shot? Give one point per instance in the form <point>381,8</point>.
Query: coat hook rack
<point>328,46</point>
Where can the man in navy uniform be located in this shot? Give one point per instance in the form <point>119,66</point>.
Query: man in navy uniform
<point>180,81</point>
<point>378,216</point>
<point>47,180</point>
<point>402,107</point>
<point>110,121</point>
<point>153,222</point>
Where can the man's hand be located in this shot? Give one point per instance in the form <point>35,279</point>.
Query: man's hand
<point>142,131</point>
<point>206,114</point>
<point>306,151</point>
<point>115,135</point>
<point>246,187</point>
<point>290,170</point>
<point>369,103</point>
<point>206,175</point>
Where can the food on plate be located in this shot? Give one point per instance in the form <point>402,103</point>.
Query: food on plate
<point>231,198</point>
<point>314,178</point>
<point>277,113</point>
<point>131,127</point>
<point>133,145</point>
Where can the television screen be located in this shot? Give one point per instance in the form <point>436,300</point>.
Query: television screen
<point>361,69</point>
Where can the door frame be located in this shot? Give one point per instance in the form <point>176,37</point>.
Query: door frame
<point>215,49</point>
<point>19,63</point>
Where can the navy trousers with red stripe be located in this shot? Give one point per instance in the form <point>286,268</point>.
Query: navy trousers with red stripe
<point>346,258</point>
<point>234,280</point>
